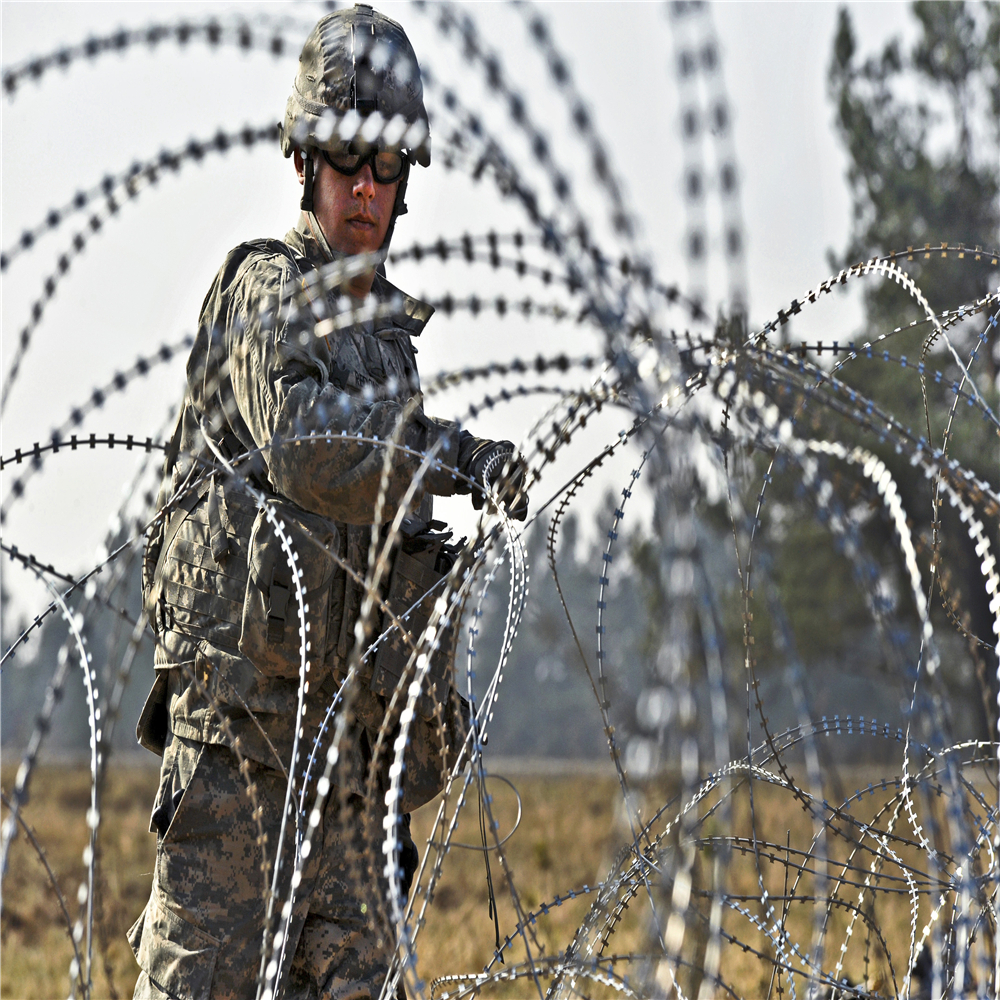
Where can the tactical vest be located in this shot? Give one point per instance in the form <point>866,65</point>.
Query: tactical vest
<point>220,594</point>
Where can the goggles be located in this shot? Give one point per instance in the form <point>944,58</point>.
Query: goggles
<point>387,164</point>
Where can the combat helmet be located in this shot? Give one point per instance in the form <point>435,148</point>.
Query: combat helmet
<point>358,86</point>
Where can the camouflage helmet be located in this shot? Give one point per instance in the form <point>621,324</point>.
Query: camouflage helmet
<point>358,80</point>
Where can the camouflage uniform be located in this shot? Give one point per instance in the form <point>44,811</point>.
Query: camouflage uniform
<point>200,934</point>
<point>253,384</point>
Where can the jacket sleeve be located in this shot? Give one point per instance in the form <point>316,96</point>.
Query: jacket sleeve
<point>281,389</point>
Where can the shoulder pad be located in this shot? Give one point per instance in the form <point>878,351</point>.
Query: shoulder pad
<point>273,248</point>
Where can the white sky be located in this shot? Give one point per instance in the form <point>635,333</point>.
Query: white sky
<point>142,279</point>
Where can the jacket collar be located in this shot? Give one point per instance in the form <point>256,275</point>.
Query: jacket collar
<point>414,314</point>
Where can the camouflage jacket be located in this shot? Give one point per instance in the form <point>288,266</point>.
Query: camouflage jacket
<point>255,382</point>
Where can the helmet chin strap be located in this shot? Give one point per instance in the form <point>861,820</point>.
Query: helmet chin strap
<point>398,208</point>
<point>308,168</point>
<point>307,205</point>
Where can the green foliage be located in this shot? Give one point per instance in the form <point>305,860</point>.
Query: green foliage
<point>921,127</point>
<point>823,600</point>
<point>922,130</point>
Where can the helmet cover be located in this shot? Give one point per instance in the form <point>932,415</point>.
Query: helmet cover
<point>358,81</point>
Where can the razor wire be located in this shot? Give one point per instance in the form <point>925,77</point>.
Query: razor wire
<point>696,844</point>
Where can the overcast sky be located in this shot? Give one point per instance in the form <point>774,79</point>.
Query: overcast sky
<point>142,279</point>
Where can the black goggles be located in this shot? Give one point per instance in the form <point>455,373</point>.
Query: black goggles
<point>387,164</point>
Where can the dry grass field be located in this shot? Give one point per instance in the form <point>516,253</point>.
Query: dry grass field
<point>569,834</point>
<point>36,947</point>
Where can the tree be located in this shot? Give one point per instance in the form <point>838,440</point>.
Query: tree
<point>922,132</point>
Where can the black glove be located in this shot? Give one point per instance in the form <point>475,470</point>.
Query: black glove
<point>496,464</point>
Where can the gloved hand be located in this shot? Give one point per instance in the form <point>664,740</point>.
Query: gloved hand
<point>496,464</point>
<point>483,461</point>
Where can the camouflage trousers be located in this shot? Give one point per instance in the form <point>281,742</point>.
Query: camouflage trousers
<point>199,937</point>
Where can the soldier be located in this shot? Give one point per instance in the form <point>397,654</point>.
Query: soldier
<point>251,450</point>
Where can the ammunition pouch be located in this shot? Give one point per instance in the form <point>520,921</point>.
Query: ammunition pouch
<point>422,560</point>
<point>271,635</point>
<point>194,566</point>
<point>420,564</point>
<point>157,546</point>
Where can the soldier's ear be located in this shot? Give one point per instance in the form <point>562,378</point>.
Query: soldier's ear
<point>300,169</point>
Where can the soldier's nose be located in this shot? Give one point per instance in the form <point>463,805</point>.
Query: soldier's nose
<point>364,182</point>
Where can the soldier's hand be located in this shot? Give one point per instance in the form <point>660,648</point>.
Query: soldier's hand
<point>496,465</point>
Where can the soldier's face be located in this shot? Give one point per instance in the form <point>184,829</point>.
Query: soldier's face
<point>353,211</point>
